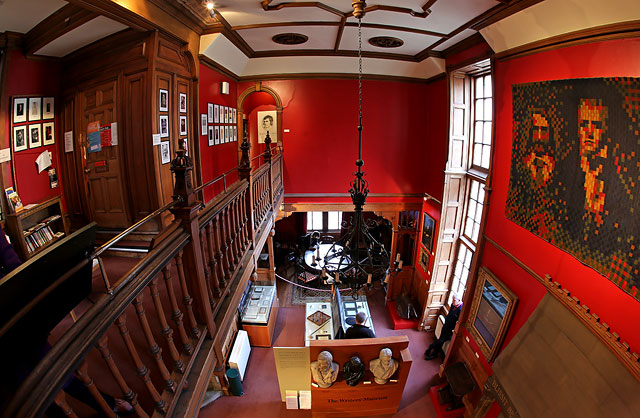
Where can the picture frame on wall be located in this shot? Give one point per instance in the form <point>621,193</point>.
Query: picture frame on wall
<point>165,152</point>
<point>35,135</point>
<point>47,108</point>
<point>220,114</point>
<point>216,114</point>
<point>226,114</point>
<point>48,133</point>
<point>491,311</point>
<point>234,115</point>
<point>216,140</point>
<point>235,134</point>
<point>428,227</point>
<point>226,134</point>
<point>183,102</point>
<point>163,100</point>
<point>267,122</point>
<point>203,124</point>
<point>19,138</point>
<point>164,126</point>
<point>211,135</point>
<point>423,260</point>
<point>183,125</point>
<point>35,108</point>
<point>20,110</point>
<point>210,113</point>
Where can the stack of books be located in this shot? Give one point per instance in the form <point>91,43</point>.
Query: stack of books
<point>41,234</point>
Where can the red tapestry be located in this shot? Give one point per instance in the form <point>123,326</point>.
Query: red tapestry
<point>575,171</point>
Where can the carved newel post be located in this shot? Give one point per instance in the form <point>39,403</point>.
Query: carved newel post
<point>244,168</point>
<point>267,150</point>
<point>181,167</point>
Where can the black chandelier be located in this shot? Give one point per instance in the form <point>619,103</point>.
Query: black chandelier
<point>359,257</point>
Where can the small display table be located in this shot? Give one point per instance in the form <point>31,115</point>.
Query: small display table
<point>260,314</point>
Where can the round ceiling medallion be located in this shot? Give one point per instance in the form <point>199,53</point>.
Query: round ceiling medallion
<point>386,42</point>
<point>290,38</point>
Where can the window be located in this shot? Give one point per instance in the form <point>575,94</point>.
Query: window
<point>474,209</point>
<point>324,221</point>
<point>482,118</point>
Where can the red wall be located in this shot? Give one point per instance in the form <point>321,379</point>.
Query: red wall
<point>615,307</point>
<point>404,126</point>
<point>216,159</point>
<point>37,78</point>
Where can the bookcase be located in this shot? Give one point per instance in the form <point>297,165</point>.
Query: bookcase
<point>34,229</point>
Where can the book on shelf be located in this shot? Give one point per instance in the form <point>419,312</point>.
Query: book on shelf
<point>13,199</point>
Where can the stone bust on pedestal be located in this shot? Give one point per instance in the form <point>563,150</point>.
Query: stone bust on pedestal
<point>324,371</point>
<point>383,367</point>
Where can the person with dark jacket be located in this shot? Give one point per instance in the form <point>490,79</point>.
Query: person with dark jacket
<point>359,330</point>
<point>447,329</point>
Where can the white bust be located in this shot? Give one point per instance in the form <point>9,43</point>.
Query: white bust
<point>383,367</point>
<point>324,371</point>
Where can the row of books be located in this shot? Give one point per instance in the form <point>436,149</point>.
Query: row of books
<point>40,235</point>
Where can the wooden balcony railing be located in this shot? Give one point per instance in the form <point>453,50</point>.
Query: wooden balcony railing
<point>157,334</point>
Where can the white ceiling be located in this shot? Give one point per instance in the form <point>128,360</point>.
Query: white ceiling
<point>22,15</point>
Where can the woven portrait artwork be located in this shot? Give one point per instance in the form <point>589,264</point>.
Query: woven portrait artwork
<point>575,171</point>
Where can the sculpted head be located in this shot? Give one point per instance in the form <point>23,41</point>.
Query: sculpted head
<point>325,359</point>
<point>385,356</point>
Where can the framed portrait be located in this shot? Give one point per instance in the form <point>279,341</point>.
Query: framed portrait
<point>203,124</point>
<point>211,135</point>
<point>35,135</point>
<point>227,114</point>
<point>423,261</point>
<point>267,122</point>
<point>234,115</point>
<point>48,134</point>
<point>165,152</point>
<point>164,126</point>
<point>163,105</point>
<point>47,108</point>
<point>216,140</point>
<point>183,102</point>
<point>220,114</point>
<point>491,311</point>
<point>183,125</point>
<point>19,138</point>
<point>428,228</point>
<point>35,108</point>
<point>20,110</point>
<point>216,113</point>
<point>210,112</point>
<point>226,134</point>
<point>235,134</point>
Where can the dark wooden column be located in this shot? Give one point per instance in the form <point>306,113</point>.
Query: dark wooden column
<point>244,171</point>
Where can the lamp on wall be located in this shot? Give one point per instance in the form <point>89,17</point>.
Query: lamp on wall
<point>358,258</point>
<point>224,87</point>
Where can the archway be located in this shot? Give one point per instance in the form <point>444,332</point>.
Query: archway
<point>254,99</point>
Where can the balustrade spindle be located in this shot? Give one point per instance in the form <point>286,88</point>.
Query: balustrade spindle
<point>141,369</point>
<point>128,394</point>
<point>176,314</point>
<point>215,282</point>
<point>61,401</point>
<point>207,273</point>
<point>187,300</point>
<point>224,213</point>
<point>83,375</point>
<point>236,221</point>
<point>223,264</point>
<point>245,219</point>
<point>227,227</point>
<point>154,348</point>
<point>167,332</point>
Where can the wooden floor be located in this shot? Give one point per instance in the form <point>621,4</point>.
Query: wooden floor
<point>261,397</point>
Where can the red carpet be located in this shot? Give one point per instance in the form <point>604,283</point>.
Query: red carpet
<point>441,410</point>
<point>398,322</point>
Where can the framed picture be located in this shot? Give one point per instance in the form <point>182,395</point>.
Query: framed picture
<point>226,114</point>
<point>47,108</point>
<point>216,140</point>
<point>183,125</point>
<point>20,110</point>
<point>35,108</point>
<point>428,227</point>
<point>183,103</point>
<point>165,152</point>
<point>48,134</point>
<point>267,122</point>
<point>164,126</point>
<point>234,115</point>
<point>491,311</point>
<point>210,113</point>
<point>19,138</point>
<point>203,124</point>
<point>163,105</point>
<point>211,135</point>
<point>35,137</point>
<point>220,114</point>
<point>216,114</point>
<point>226,134</point>
<point>235,134</point>
<point>423,261</point>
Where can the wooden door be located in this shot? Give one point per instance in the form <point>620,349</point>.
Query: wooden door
<point>105,192</point>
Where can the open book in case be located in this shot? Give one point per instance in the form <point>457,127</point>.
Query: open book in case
<point>34,229</point>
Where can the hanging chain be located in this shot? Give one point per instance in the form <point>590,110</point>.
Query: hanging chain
<point>360,73</point>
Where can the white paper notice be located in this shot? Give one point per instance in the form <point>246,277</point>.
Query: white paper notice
<point>68,141</point>
<point>292,399</point>
<point>156,139</point>
<point>43,161</point>
<point>114,133</point>
<point>305,399</point>
<point>5,155</point>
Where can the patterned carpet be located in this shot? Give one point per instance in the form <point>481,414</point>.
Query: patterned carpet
<point>314,292</point>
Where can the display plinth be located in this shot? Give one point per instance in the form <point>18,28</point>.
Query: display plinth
<point>342,400</point>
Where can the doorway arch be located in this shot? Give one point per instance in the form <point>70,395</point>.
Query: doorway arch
<point>256,88</point>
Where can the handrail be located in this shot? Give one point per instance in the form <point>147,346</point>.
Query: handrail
<point>104,247</point>
<point>210,182</point>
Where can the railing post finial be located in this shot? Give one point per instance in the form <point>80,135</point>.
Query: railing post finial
<point>244,169</point>
<point>181,166</point>
<point>267,151</point>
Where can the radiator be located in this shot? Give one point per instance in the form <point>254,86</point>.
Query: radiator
<point>240,353</point>
<point>439,325</point>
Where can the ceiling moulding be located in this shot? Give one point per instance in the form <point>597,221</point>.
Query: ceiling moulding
<point>553,18</point>
<point>267,6</point>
